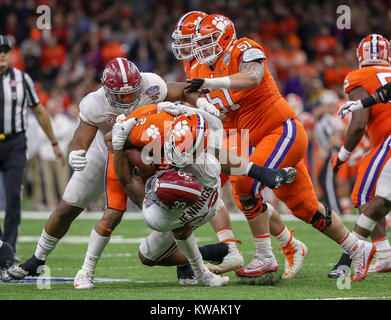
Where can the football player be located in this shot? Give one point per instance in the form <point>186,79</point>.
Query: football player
<point>123,89</point>
<point>371,193</point>
<point>172,225</point>
<point>182,48</point>
<point>235,73</point>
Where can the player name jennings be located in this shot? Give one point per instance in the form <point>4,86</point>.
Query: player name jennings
<point>201,309</point>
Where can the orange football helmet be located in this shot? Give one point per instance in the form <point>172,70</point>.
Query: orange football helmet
<point>187,138</point>
<point>182,46</point>
<point>213,35</point>
<point>374,49</point>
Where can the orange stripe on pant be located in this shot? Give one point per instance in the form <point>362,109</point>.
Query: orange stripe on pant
<point>116,197</point>
<point>285,146</point>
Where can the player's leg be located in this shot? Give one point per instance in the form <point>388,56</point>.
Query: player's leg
<point>116,199</point>
<point>221,224</point>
<point>269,153</point>
<point>83,187</point>
<point>373,170</point>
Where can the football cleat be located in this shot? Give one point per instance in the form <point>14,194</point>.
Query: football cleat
<point>209,279</point>
<point>258,266</point>
<point>343,264</point>
<point>186,275</point>
<point>295,252</point>
<point>83,280</point>
<point>382,263</point>
<point>7,256</point>
<point>29,268</point>
<point>361,256</point>
<point>232,261</point>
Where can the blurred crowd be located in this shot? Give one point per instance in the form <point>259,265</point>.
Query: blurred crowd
<point>307,54</point>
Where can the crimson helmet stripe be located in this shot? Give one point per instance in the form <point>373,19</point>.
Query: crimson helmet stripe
<point>123,71</point>
<point>180,188</point>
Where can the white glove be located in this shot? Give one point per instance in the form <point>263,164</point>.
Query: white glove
<point>120,132</point>
<point>174,109</point>
<point>204,104</point>
<point>77,160</point>
<point>350,106</point>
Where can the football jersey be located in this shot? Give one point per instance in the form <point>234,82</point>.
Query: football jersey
<point>207,173</point>
<point>261,109</point>
<point>371,78</point>
<point>96,111</point>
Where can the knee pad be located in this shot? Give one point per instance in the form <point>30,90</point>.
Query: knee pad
<point>320,221</point>
<point>253,206</point>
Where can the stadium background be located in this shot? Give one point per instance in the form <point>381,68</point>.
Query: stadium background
<point>307,54</point>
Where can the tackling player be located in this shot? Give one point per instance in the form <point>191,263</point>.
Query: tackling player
<point>123,89</point>
<point>371,193</point>
<point>239,83</point>
<point>182,48</point>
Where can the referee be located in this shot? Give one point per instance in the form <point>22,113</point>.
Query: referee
<point>16,93</point>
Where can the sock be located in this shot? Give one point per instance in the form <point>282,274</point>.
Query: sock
<point>349,242</point>
<point>263,244</point>
<point>266,176</point>
<point>45,246</point>
<point>214,252</point>
<point>96,245</point>
<point>226,235</point>
<point>1,243</point>
<point>193,255</point>
<point>382,244</point>
<point>284,236</point>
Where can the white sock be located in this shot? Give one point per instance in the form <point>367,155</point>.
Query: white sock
<point>263,244</point>
<point>96,245</point>
<point>193,255</point>
<point>284,236</point>
<point>45,245</point>
<point>226,235</point>
<point>348,242</point>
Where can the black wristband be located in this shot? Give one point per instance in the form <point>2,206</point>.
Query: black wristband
<point>54,144</point>
<point>368,101</point>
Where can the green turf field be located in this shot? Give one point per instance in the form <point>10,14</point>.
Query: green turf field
<point>120,261</point>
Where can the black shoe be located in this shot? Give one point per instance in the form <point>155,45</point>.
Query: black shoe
<point>186,275</point>
<point>214,253</point>
<point>29,268</point>
<point>342,266</point>
<point>6,256</point>
<point>286,176</point>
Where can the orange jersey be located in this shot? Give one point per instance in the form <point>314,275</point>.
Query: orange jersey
<point>371,78</point>
<point>261,109</point>
<point>150,125</point>
<point>187,65</point>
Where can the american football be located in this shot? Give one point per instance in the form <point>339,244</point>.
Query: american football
<point>177,189</point>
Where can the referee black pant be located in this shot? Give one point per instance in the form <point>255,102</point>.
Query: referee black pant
<point>12,164</point>
<point>328,184</point>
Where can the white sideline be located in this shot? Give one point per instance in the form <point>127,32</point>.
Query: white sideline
<point>94,215</point>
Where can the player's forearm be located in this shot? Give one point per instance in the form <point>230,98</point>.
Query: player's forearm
<point>82,137</point>
<point>122,168</point>
<point>353,137</point>
<point>238,81</point>
<point>381,95</point>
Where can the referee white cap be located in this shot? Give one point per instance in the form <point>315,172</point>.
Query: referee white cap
<point>5,41</point>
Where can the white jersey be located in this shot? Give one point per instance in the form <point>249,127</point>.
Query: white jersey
<point>87,185</point>
<point>207,174</point>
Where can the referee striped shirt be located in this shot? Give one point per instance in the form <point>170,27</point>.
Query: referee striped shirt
<point>16,93</point>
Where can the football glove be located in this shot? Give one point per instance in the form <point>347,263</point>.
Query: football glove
<point>121,130</point>
<point>77,159</point>
<point>350,106</point>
